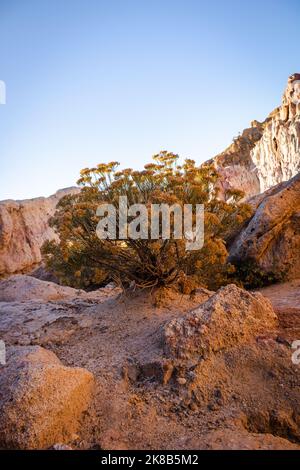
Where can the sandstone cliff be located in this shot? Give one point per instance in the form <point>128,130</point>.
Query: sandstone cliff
<point>24,228</point>
<point>267,153</point>
<point>271,239</point>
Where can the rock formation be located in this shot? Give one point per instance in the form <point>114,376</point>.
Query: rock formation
<point>20,288</point>
<point>40,399</point>
<point>244,394</point>
<point>24,228</point>
<point>267,153</point>
<point>271,239</point>
<point>230,317</point>
<point>230,345</point>
<point>43,313</point>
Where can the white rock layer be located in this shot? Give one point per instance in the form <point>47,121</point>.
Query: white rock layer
<point>267,153</point>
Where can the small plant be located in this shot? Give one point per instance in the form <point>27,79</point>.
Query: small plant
<point>80,258</point>
<point>250,275</point>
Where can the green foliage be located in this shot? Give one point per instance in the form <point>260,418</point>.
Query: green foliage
<point>82,259</point>
<point>251,276</point>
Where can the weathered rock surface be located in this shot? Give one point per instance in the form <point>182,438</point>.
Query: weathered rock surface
<point>285,299</point>
<point>245,394</point>
<point>43,313</point>
<point>41,401</point>
<point>271,239</point>
<point>40,323</point>
<point>240,439</point>
<point>232,316</point>
<point>20,288</point>
<point>24,228</point>
<point>267,153</point>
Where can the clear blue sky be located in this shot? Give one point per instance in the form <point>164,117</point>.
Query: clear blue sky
<point>91,81</point>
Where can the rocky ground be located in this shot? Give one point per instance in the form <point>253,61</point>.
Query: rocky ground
<point>161,378</point>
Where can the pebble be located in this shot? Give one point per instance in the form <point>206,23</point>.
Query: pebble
<point>181,380</point>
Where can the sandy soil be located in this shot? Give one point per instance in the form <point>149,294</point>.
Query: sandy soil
<point>247,397</point>
<point>285,299</point>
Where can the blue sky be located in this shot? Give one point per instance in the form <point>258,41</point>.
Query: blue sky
<point>94,81</point>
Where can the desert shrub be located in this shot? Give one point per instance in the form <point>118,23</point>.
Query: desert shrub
<point>250,275</point>
<point>82,259</point>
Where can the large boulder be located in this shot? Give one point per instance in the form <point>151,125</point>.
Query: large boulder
<point>39,312</point>
<point>24,228</point>
<point>43,323</point>
<point>267,153</point>
<point>20,288</point>
<point>232,316</point>
<point>41,400</point>
<point>271,239</point>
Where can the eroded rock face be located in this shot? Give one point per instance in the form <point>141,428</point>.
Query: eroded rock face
<point>232,316</point>
<point>272,237</point>
<point>243,395</point>
<point>267,153</point>
<point>41,401</point>
<point>24,228</point>
<point>43,313</point>
<point>40,323</point>
<point>20,288</point>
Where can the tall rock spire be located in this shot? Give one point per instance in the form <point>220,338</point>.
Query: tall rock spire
<point>267,153</point>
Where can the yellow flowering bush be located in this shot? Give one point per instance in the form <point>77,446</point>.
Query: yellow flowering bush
<point>81,259</point>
